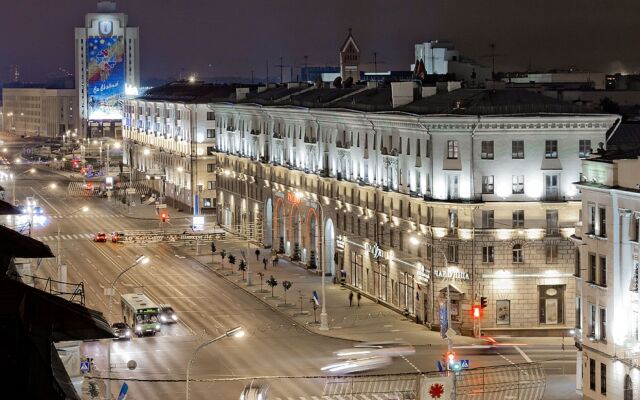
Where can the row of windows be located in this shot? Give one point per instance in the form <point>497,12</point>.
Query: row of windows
<point>488,220</point>
<point>517,149</point>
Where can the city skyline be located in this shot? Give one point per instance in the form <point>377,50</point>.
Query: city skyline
<point>235,39</point>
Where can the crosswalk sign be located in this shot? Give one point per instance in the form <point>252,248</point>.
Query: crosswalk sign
<point>464,364</point>
<point>85,366</point>
<point>315,298</point>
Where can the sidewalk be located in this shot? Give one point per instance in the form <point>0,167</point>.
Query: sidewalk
<point>367,322</point>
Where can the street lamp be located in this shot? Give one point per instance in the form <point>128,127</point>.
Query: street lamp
<point>139,260</point>
<point>324,317</point>
<point>237,332</point>
<point>15,177</point>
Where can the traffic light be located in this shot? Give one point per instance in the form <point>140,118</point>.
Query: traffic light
<point>483,302</point>
<point>451,358</point>
<point>164,217</point>
<point>476,311</point>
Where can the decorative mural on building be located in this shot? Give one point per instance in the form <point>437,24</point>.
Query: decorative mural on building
<point>105,77</point>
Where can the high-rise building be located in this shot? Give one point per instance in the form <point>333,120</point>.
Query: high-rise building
<point>107,67</point>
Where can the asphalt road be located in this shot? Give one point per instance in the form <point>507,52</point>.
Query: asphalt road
<point>207,305</point>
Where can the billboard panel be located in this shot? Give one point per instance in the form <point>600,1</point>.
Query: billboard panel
<point>105,77</point>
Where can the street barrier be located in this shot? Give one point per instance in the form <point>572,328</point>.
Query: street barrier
<point>160,237</point>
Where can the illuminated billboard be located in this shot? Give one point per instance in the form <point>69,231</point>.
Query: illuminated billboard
<point>105,77</point>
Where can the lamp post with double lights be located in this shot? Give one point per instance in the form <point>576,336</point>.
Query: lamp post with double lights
<point>139,260</point>
<point>237,332</point>
<point>324,317</point>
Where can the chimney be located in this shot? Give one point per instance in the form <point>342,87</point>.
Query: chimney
<point>401,93</point>
<point>241,93</point>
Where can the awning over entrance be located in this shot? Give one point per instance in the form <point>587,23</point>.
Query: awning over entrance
<point>454,292</point>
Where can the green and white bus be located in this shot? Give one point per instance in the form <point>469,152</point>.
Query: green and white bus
<point>140,313</point>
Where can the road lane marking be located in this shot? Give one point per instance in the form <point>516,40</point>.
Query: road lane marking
<point>522,353</point>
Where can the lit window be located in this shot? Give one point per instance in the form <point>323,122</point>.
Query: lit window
<point>487,184</point>
<point>487,150</point>
<point>452,149</point>
<point>517,184</point>
<point>518,253</point>
<point>551,149</point>
<point>584,148</point>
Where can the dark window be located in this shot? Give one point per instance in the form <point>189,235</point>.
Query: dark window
<point>487,184</point>
<point>603,324</point>
<point>603,378</point>
<point>584,148</point>
<point>603,271</point>
<point>453,253</point>
<point>487,254</point>
<point>578,312</point>
<point>211,116</point>
<point>211,133</point>
<point>210,167</point>
<point>592,374</point>
<point>551,149</point>
<point>210,150</point>
<point>518,253</point>
<point>518,218</point>
<point>592,268</point>
<point>517,149</point>
<point>487,219</point>
<point>452,149</point>
<point>602,213</point>
<point>487,150</point>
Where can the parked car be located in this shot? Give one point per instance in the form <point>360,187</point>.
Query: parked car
<point>167,314</point>
<point>100,237</point>
<point>122,330</point>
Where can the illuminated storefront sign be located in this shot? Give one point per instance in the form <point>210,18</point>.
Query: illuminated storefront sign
<point>340,242</point>
<point>451,274</point>
<point>374,250</point>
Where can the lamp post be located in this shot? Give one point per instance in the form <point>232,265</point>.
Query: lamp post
<point>237,332</point>
<point>139,260</point>
<point>62,271</point>
<point>324,317</point>
<point>13,181</point>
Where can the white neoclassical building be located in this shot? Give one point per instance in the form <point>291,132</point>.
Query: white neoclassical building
<point>607,299</point>
<point>403,190</point>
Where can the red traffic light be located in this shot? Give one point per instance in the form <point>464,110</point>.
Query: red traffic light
<point>476,311</point>
<point>451,357</point>
<point>164,216</point>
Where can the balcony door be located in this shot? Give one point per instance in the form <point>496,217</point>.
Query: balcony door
<point>551,186</point>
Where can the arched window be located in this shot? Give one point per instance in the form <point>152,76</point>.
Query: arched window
<point>628,388</point>
<point>518,253</point>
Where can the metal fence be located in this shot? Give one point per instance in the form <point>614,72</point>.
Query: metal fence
<point>74,292</point>
<point>509,382</point>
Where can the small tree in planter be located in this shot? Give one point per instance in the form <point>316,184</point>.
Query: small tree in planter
<point>93,391</point>
<point>312,260</point>
<point>242,267</point>
<point>223,254</point>
<point>296,252</point>
<point>286,285</point>
<point>272,282</point>
<point>232,261</point>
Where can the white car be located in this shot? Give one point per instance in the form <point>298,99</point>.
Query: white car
<point>255,391</point>
<point>357,365</point>
<point>377,349</point>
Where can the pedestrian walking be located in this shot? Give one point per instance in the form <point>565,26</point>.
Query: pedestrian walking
<point>264,262</point>
<point>359,297</point>
<point>257,252</point>
<point>273,260</point>
<point>350,299</point>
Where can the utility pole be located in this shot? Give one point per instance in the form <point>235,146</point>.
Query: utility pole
<point>281,66</point>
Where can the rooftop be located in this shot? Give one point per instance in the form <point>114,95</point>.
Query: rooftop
<point>359,97</point>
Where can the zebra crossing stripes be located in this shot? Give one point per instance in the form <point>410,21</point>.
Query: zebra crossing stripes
<point>88,215</point>
<point>75,236</point>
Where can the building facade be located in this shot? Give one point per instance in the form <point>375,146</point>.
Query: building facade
<point>40,111</point>
<point>608,332</point>
<point>107,68</point>
<point>405,205</point>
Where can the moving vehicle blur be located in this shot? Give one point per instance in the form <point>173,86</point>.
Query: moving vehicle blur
<point>100,237</point>
<point>377,349</point>
<point>357,365</point>
<point>117,237</point>
<point>255,391</point>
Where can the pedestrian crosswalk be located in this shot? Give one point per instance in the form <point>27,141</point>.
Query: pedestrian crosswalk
<point>88,215</point>
<point>360,396</point>
<point>75,236</point>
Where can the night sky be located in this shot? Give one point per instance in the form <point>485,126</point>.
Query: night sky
<point>230,38</point>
